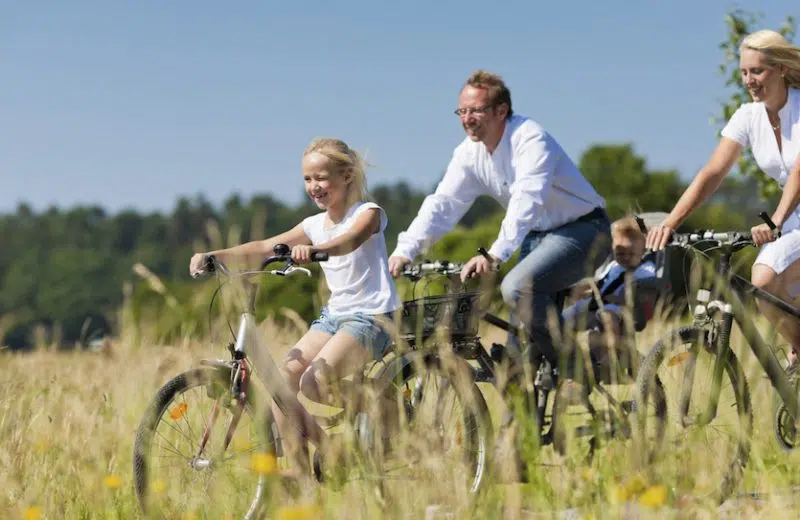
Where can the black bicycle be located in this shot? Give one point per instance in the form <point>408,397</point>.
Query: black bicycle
<point>208,436</point>
<point>709,398</point>
<point>441,326</point>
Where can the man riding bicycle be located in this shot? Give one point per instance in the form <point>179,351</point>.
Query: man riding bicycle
<point>553,214</point>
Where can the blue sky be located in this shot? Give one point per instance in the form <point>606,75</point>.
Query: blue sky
<point>132,104</point>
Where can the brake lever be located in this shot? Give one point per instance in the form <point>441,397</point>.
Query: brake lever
<point>289,269</point>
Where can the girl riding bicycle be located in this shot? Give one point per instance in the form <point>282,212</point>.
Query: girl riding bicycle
<point>350,329</point>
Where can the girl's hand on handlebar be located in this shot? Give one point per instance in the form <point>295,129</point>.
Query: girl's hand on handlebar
<point>197,265</point>
<point>301,254</point>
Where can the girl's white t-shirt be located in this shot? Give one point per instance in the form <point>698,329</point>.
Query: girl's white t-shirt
<point>359,281</point>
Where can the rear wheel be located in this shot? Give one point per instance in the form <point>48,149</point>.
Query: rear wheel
<point>445,426</point>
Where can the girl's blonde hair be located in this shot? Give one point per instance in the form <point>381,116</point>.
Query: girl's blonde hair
<point>777,51</point>
<point>343,160</point>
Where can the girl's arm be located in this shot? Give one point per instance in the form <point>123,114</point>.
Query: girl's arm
<point>367,224</point>
<point>255,251</point>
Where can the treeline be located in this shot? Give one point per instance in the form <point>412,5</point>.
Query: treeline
<point>63,271</point>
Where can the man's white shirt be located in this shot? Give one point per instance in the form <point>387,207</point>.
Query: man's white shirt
<point>529,174</point>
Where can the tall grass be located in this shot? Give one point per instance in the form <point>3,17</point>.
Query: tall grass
<point>68,419</point>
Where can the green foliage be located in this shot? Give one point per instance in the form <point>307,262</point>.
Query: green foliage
<point>741,23</point>
<point>66,269</point>
<point>625,181</point>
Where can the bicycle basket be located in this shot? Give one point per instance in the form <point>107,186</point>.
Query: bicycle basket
<point>455,314</point>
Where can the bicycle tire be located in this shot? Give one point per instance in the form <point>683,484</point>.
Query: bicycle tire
<point>783,423</point>
<point>476,414</point>
<point>732,369</point>
<point>217,375</point>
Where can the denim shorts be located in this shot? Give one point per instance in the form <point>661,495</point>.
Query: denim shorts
<point>364,327</point>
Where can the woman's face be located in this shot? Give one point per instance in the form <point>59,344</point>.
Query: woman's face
<point>763,82</point>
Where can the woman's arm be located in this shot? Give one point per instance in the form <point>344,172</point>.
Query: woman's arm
<point>702,186</point>
<point>705,182</point>
<point>790,196</point>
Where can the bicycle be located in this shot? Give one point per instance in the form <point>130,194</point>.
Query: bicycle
<point>705,345</point>
<point>451,328</point>
<point>207,445</point>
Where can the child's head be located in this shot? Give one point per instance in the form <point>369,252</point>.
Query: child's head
<point>628,242</point>
<point>333,173</point>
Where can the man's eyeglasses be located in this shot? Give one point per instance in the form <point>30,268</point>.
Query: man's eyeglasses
<point>478,111</point>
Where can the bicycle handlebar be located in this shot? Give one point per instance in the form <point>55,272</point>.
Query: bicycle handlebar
<point>282,254</point>
<point>441,267</point>
<point>726,238</point>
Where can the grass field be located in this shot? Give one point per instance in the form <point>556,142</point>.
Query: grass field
<point>67,424</point>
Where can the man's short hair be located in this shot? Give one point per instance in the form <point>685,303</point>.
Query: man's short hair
<point>498,91</point>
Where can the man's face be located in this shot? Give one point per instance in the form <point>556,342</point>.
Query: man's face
<point>481,120</point>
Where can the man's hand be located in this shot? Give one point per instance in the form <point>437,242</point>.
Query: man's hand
<point>477,266</point>
<point>762,234</point>
<point>396,264</point>
<point>301,254</point>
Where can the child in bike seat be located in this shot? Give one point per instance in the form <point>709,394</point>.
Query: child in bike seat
<point>604,319</point>
<point>350,329</point>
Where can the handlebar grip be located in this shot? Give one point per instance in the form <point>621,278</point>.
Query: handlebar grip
<point>319,257</point>
<point>211,264</point>
<point>483,252</point>
<point>763,215</point>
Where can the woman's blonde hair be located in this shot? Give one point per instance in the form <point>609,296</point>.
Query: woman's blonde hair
<point>777,51</point>
<point>343,160</point>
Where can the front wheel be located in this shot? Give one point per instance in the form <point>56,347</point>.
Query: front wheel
<point>199,451</point>
<point>705,434</point>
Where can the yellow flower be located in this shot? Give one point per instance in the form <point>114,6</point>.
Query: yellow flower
<point>618,494</point>
<point>635,485</point>
<point>299,513</point>
<point>32,513</point>
<point>654,496</point>
<point>112,482</point>
<point>264,463</point>
<point>43,445</point>
<point>159,486</point>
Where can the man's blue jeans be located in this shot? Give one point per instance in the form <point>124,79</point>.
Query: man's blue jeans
<point>551,262</point>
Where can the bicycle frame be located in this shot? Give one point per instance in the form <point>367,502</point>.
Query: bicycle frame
<point>248,347</point>
<point>726,296</point>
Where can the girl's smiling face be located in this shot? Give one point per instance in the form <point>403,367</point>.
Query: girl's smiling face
<point>326,188</point>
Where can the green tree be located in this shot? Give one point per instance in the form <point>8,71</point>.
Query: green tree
<point>623,178</point>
